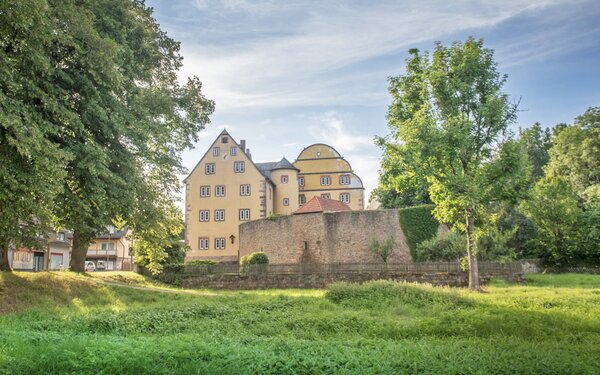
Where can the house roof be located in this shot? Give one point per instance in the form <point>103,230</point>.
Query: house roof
<point>319,204</point>
<point>267,167</point>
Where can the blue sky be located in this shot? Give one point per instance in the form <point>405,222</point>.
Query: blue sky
<point>286,74</point>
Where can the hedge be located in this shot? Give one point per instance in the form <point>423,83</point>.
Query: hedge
<point>418,225</point>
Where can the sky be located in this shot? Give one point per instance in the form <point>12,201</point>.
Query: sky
<point>287,74</point>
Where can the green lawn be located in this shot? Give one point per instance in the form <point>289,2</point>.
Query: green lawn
<point>73,324</point>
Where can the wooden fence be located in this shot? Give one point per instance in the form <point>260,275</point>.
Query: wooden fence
<point>342,268</point>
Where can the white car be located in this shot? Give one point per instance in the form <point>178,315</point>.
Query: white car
<point>90,266</point>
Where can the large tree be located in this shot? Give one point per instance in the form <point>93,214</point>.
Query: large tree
<point>118,111</point>
<point>537,142</point>
<point>31,165</point>
<point>448,119</point>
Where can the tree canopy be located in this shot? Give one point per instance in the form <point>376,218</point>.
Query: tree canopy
<point>448,121</point>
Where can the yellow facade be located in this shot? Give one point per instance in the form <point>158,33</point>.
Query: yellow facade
<point>324,172</point>
<point>225,182</point>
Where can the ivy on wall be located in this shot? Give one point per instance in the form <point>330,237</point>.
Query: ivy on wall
<point>418,225</point>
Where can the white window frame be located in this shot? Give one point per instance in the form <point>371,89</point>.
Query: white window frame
<point>203,243</point>
<point>216,151</point>
<point>325,180</point>
<point>219,215</point>
<point>286,201</point>
<point>347,195</point>
<point>220,243</point>
<point>284,179</point>
<point>220,191</point>
<point>301,199</point>
<point>326,195</point>
<point>300,181</point>
<point>204,216</point>
<point>205,191</point>
<point>233,151</point>
<point>245,190</point>
<point>345,179</point>
<point>239,166</point>
<point>244,214</point>
<point>210,168</point>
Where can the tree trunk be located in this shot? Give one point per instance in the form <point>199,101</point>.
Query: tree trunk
<point>78,252</point>
<point>473,267</point>
<point>4,265</point>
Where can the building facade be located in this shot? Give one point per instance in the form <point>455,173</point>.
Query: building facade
<point>325,173</point>
<point>54,254</point>
<point>226,188</point>
<point>111,251</point>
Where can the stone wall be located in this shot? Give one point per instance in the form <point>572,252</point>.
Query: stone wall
<point>335,237</point>
<point>319,281</point>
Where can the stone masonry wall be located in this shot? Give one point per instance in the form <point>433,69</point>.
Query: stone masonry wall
<point>335,237</point>
<point>318,281</point>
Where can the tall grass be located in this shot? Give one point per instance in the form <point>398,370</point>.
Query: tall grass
<point>378,327</point>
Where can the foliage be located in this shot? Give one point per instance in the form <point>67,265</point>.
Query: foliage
<point>418,225</point>
<point>96,84</point>
<point>553,208</point>
<point>31,116</point>
<point>159,237</point>
<point>589,232</point>
<point>575,155</point>
<point>258,257</point>
<point>448,247</point>
<point>274,217</point>
<point>448,118</point>
<point>384,249</point>
<point>548,325</point>
<point>510,218</point>
<point>537,143</point>
<point>201,262</point>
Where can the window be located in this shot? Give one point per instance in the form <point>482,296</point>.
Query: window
<point>301,199</point>
<point>244,190</point>
<point>205,191</point>
<point>345,179</point>
<point>219,243</point>
<point>60,236</point>
<point>216,151</point>
<point>239,166</point>
<point>284,179</point>
<point>219,215</point>
<point>325,180</point>
<point>224,139</point>
<point>286,201</point>
<point>203,243</point>
<point>300,181</point>
<point>209,168</point>
<point>220,191</point>
<point>204,215</point>
<point>233,151</point>
<point>326,196</point>
<point>245,214</point>
<point>345,197</point>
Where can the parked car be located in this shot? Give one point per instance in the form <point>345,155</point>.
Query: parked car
<point>100,266</point>
<point>90,266</point>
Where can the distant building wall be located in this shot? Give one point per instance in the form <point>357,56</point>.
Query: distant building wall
<point>336,237</point>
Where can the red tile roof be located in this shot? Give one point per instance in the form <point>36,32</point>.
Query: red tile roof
<point>319,204</point>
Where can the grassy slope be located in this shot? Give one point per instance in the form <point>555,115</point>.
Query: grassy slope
<point>73,324</point>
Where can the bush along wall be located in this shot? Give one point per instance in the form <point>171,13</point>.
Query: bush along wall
<point>418,225</point>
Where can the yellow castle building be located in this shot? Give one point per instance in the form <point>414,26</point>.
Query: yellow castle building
<point>226,188</point>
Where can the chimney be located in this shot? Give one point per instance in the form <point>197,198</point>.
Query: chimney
<point>248,153</point>
<point>243,145</point>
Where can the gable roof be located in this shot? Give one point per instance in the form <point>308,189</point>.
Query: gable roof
<point>320,204</point>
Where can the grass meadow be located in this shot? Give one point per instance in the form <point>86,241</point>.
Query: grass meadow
<point>63,323</point>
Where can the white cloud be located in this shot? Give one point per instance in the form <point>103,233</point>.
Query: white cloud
<point>330,129</point>
<point>312,58</point>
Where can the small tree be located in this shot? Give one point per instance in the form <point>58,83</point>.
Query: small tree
<point>384,249</point>
<point>448,119</point>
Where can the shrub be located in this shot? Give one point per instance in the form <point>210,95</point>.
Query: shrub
<point>418,224</point>
<point>202,262</point>
<point>174,268</point>
<point>258,257</point>
<point>384,249</point>
<point>449,247</point>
